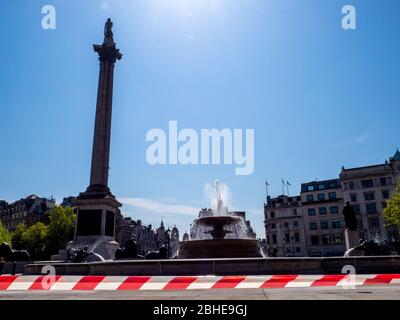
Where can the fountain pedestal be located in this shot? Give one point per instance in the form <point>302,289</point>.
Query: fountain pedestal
<point>219,248</point>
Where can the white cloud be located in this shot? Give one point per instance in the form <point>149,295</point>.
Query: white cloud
<point>358,140</point>
<point>157,207</point>
<point>362,138</point>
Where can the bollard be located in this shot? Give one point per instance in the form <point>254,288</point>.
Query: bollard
<point>14,267</point>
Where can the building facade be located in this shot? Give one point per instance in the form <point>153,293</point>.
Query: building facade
<point>25,211</point>
<point>284,227</point>
<point>317,214</point>
<point>368,189</point>
<point>322,203</point>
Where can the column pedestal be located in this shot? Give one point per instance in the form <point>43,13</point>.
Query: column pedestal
<point>352,238</point>
<point>96,224</point>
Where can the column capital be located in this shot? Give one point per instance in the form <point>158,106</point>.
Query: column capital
<point>108,51</point>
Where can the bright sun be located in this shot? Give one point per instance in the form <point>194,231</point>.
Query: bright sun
<point>186,7</point>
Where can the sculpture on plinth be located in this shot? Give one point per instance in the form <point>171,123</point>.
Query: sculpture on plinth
<point>351,235</point>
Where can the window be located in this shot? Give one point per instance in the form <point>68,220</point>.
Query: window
<point>337,238</point>
<point>332,195</point>
<point>352,185</point>
<point>311,212</point>
<point>313,226</point>
<point>273,226</point>
<point>369,183</point>
<point>296,224</point>
<point>357,209</point>
<point>295,212</point>
<point>332,185</point>
<point>324,225</point>
<point>336,224</point>
<point>297,237</point>
<point>314,240</point>
<point>369,196</point>
<point>321,186</point>
<point>286,225</point>
<point>310,188</point>
<point>321,196</point>
<point>326,239</point>
<point>353,197</point>
<point>383,181</point>
<point>334,209</point>
<point>371,208</point>
<point>385,194</point>
<point>287,237</point>
<point>272,214</point>
<point>310,197</point>
<point>298,249</point>
<point>274,238</point>
<point>323,210</point>
<point>384,204</point>
<point>373,222</point>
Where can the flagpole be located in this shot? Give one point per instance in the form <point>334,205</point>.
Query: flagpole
<point>283,187</point>
<point>266,189</point>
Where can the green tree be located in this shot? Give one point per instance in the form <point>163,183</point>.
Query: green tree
<point>60,229</point>
<point>5,235</point>
<point>391,213</point>
<point>34,239</point>
<point>16,240</point>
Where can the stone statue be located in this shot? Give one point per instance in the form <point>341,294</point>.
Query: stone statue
<point>129,252</point>
<point>350,217</point>
<point>108,29</point>
<point>8,254</point>
<point>158,255</point>
<point>83,254</point>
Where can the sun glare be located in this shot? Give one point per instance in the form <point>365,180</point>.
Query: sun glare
<point>185,7</point>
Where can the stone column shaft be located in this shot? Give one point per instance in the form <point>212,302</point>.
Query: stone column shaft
<point>102,130</point>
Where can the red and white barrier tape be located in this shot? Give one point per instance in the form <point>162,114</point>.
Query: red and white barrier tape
<point>94,283</point>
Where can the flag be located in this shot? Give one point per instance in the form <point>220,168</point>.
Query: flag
<point>283,182</point>
<point>287,182</point>
<point>266,182</point>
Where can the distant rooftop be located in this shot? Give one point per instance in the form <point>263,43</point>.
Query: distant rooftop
<point>396,156</point>
<point>320,185</point>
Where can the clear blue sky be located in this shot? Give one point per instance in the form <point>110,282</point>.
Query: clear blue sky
<point>317,96</point>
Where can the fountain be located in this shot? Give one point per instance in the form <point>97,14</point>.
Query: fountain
<point>217,233</point>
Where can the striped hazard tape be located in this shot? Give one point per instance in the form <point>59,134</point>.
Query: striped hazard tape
<point>94,283</point>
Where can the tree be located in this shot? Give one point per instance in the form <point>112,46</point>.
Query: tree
<point>391,213</point>
<point>34,239</point>
<point>60,229</point>
<point>16,240</point>
<point>5,235</point>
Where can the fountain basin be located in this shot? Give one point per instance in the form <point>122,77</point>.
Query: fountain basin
<point>219,248</point>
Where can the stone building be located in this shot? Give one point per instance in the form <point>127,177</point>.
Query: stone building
<point>284,227</point>
<point>322,203</point>
<point>25,211</point>
<point>368,189</point>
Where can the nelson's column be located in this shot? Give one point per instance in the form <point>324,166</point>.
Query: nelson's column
<point>97,207</point>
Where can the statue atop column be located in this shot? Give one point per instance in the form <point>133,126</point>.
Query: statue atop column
<point>108,29</point>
